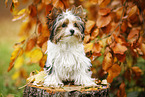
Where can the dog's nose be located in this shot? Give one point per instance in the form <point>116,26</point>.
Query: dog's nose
<point>72,31</point>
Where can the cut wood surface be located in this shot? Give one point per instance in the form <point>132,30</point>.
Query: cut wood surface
<point>66,91</point>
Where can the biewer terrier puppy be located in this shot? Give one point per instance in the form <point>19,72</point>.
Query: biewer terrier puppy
<point>66,60</point>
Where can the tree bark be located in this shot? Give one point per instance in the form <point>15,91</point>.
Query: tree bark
<point>66,91</point>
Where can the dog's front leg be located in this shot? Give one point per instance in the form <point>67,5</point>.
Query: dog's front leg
<point>53,80</point>
<point>84,79</point>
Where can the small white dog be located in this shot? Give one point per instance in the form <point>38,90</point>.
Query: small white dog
<point>66,60</point>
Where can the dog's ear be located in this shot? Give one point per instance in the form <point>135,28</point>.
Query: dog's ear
<point>78,11</point>
<point>52,16</point>
<point>56,12</point>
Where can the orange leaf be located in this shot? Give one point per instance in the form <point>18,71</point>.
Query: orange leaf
<point>143,48</point>
<point>88,47</point>
<point>103,21</point>
<point>95,33</point>
<point>104,11</point>
<point>107,62</point>
<point>104,3</point>
<point>132,11</point>
<point>118,48</point>
<point>46,2</point>
<point>87,38</point>
<point>33,10</point>
<point>31,44</point>
<point>133,33</point>
<point>113,72</point>
<point>137,71</point>
<point>89,25</point>
<point>17,52</point>
<point>96,48</point>
<point>58,4</point>
<point>44,47</point>
<point>43,61</point>
<point>121,92</point>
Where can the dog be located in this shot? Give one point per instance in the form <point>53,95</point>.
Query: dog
<point>66,60</point>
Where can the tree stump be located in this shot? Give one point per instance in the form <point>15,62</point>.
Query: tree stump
<point>66,91</point>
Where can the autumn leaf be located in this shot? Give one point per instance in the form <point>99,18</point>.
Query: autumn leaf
<point>113,72</point>
<point>19,62</point>
<point>35,55</point>
<point>103,21</point>
<point>58,4</point>
<point>22,14</point>
<point>87,38</point>
<point>89,25</point>
<point>31,43</point>
<point>33,10</point>
<point>17,52</point>
<point>107,61</point>
<point>119,49</point>
<point>95,33</point>
<point>121,92</point>
<point>42,61</point>
<point>46,2</point>
<point>137,71</point>
<point>88,47</point>
<point>133,34</point>
<point>104,11</point>
<point>104,3</point>
<point>96,48</point>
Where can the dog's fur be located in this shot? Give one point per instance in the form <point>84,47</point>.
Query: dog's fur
<point>66,60</point>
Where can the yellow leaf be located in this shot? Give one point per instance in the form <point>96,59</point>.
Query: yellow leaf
<point>15,75</point>
<point>36,55</point>
<point>88,47</point>
<point>19,62</point>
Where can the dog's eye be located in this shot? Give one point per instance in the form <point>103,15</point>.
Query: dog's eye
<point>64,25</point>
<point>75,24</point>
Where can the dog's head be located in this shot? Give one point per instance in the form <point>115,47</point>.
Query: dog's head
<point>67,25</point>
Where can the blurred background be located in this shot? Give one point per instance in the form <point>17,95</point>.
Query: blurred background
<point>8,37</point>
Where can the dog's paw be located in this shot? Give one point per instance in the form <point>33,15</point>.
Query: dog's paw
<point>52,81</point>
